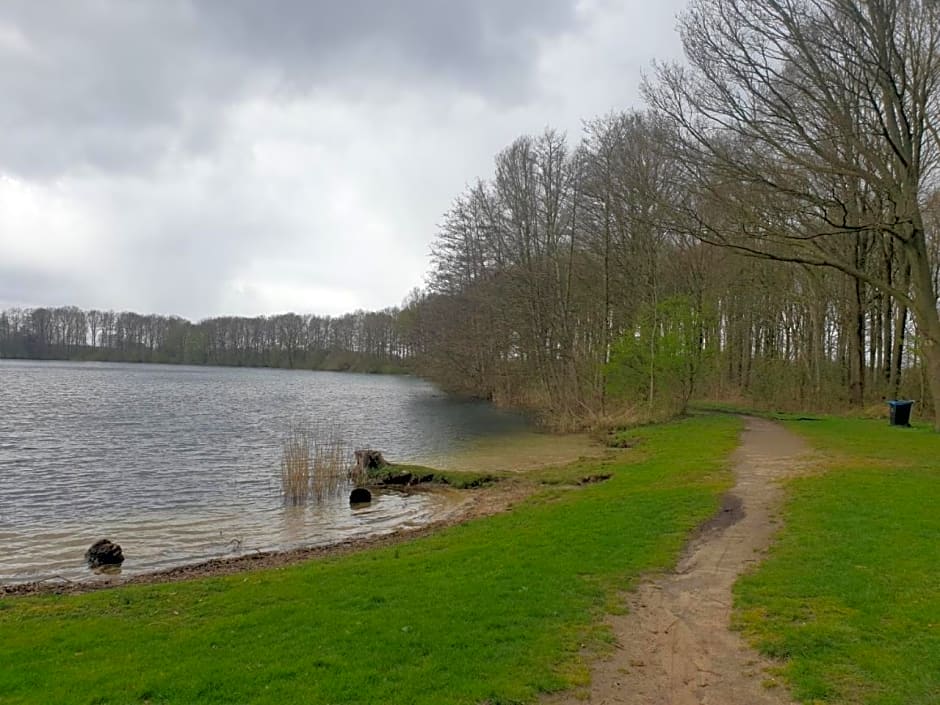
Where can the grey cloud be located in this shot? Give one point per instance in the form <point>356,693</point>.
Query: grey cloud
<point>119,85</point>
<point>204,157</point>
<point>482,43</point>
<point>20,287</point>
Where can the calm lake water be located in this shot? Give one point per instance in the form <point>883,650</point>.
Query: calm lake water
<point>180,464</point>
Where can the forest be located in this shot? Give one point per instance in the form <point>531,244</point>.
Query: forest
<point>766,231</point>
<point>360,342</point>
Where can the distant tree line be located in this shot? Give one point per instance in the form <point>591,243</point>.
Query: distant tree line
<point>361,341</point>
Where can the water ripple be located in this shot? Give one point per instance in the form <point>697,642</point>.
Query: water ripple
<point>182,463</point>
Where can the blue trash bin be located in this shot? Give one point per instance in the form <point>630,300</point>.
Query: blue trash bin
<point>900,412</point>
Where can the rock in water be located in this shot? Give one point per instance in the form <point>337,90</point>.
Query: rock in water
<point>104,552</point>
<point>360,495</point>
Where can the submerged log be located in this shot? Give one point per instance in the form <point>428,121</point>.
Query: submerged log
<point>103,552</point>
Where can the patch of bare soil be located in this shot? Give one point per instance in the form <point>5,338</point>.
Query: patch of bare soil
<point>476,503</point>
<point>675,647</point>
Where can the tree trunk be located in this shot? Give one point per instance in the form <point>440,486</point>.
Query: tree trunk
<point>900,331</point>
<point>898,354</point>
<point>857,349</point>
<point>932,360</point>
<point>927,316</point>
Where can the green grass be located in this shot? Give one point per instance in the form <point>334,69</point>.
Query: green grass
<point>850,596</point>
<point>495,610</point>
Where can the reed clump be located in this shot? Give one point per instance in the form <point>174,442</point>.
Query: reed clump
<point>315,463</point>
<point>296,466</point>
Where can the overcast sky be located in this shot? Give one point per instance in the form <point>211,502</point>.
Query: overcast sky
<point>213,157</point>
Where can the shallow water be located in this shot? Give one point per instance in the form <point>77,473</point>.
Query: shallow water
<point>180,464</point>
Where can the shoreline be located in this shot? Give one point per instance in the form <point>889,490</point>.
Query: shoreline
<point>393,371</point>
<point>483,502</point>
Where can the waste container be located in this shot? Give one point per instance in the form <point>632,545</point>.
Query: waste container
<point>900,412</point>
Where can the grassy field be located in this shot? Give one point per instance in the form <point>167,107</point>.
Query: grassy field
<point>492,611</point>
<point>850,595</point>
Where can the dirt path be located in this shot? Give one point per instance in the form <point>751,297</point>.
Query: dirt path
<point>674,647</point>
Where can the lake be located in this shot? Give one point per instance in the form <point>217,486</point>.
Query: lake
<point>182,464</point>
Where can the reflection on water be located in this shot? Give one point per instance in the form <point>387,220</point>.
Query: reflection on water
<point>179,464</point>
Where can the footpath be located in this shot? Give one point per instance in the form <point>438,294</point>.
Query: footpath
<point>674,647</point>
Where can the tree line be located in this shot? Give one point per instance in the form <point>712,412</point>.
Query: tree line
<point>768,229</point>
<point>361,341</point>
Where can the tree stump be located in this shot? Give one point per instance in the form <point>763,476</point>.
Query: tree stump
<point>370,460</point>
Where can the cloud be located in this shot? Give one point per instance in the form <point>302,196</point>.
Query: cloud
<point>117,85</point>
<point>206,158</point>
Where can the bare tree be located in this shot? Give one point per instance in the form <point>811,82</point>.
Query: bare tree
<point>810,128</point>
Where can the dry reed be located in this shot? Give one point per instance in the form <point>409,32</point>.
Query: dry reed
<point>315,463</point>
